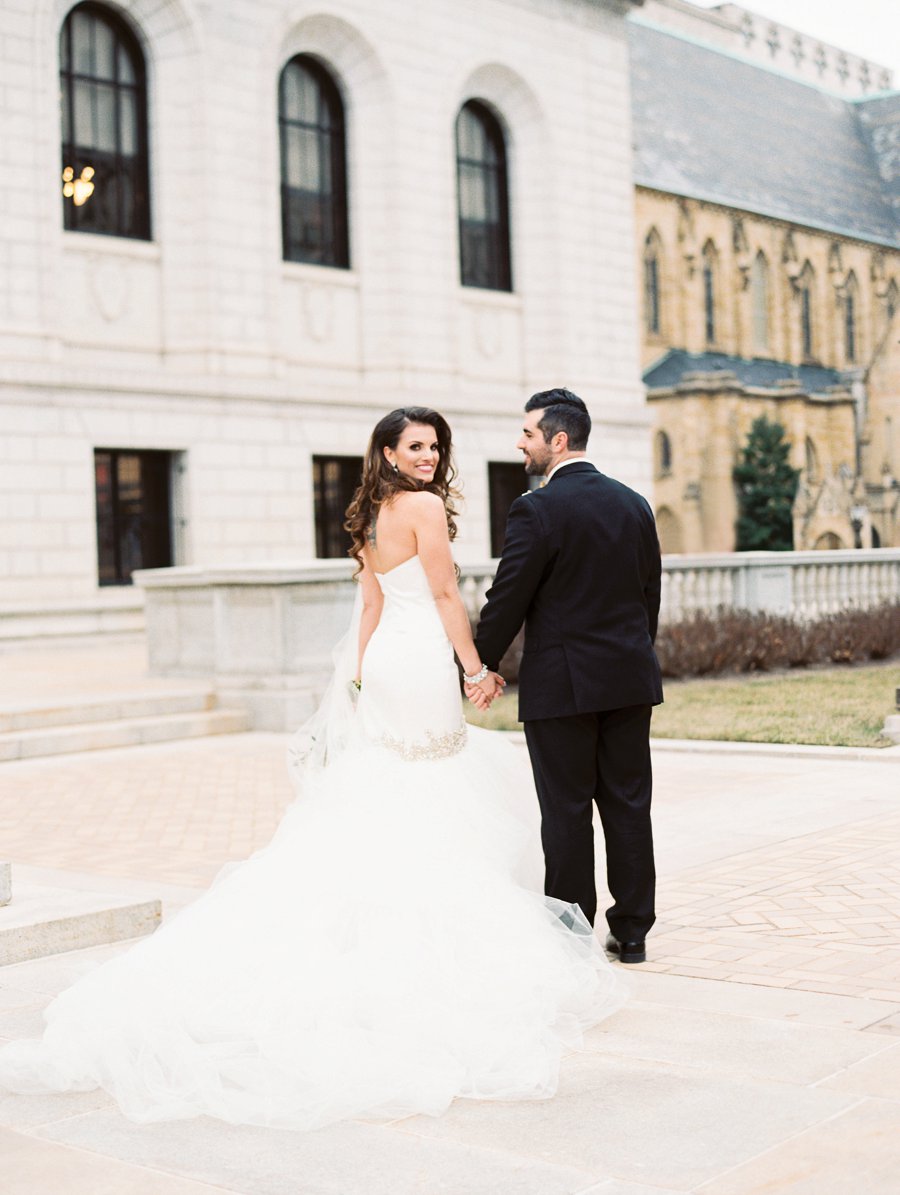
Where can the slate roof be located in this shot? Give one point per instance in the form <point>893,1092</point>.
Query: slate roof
<point>880,120</point>
<point>755,371</point>
<point>711,126</point>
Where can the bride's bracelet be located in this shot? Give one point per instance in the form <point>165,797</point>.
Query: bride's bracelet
<point>478,676</point>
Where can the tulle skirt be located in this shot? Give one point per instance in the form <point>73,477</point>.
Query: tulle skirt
<point>388,951</point>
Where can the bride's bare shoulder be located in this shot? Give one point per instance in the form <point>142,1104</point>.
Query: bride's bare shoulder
<point>418,503</point>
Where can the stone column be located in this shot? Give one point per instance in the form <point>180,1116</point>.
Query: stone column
<point>5,883</point>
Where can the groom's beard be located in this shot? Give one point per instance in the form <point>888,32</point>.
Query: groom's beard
<point>537,466</point>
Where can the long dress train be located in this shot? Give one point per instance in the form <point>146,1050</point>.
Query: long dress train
<point>378,958</point>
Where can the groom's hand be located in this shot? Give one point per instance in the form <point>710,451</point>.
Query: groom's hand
<point>483,694</point>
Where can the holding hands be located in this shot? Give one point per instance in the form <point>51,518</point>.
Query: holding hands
<point>483,687</point>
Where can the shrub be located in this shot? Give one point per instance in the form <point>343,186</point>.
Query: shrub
<point>744,641</point>
<point>747,641</point>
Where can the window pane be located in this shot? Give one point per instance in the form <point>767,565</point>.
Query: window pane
<point>84,114</point>
<point>105,130</point>
<point>302,161</point>
<point>760,303</point>
<point>82,63</point>
<point>126,66</point>
<point>471,136</point>
<point>106,542</point>
<point>335,480</point>
<point>104,51</point>
<point>126,200</point>
<point>473,202</point>
<point>505,483</point>
<point>300,95</point>
<point>133,513</point>
<point>64,117</point>
<point>128,126</point>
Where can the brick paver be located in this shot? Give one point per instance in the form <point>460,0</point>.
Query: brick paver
<point>819,913</point>
<point>174,813</point>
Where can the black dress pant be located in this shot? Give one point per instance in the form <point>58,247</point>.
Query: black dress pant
<point>603,757</point>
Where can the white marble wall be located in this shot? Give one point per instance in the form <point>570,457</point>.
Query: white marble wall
<point>206,343</point>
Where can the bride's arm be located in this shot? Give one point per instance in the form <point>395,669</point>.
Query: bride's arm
<point>433,547</point>
<point>372,603</point>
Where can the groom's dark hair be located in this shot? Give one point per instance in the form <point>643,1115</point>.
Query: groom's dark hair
<point>563,412</point>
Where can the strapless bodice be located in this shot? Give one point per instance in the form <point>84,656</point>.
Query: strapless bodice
<point>410,699</point>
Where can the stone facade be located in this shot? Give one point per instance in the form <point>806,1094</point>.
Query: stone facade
<point>760,267</point>
<point>765,292</point>
<point>204,343</point>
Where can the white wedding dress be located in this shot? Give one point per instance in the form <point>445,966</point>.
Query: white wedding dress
<point>378,958</point>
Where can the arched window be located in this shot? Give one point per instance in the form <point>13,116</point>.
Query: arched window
<point>807,313</point>
<point>484,257</point>
<point>663,454</point>
<point>759,289</point>
<point>812,461</point>
<point>709,291</point>
<point>103,93</point>
<point>851,291</point>
<point>892,301</point>
<point>652,296</point>
<point>313,165</point>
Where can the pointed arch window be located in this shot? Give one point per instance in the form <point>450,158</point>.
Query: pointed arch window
<point>314,223</point>
<point>652,283</point>
<point>807,310</point>
<point>710,265</point>
<point>103,95</point>
<point>663,454</point>
<point>483,199</point>
<point>812,461</point>
<point>851,294</point>
<point>759,290</point>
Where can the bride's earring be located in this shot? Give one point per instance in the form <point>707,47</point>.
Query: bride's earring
<point>394,467</point>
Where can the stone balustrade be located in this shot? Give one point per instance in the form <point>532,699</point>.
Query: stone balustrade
<point>264,632</point>
<point>805,585</point>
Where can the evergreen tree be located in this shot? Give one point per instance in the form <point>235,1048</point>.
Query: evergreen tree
<point>766,488</point>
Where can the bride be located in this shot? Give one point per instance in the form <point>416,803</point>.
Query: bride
<point>387,951</point>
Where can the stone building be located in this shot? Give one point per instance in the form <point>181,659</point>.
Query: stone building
<point>768,218</point>
<point>234,235</point>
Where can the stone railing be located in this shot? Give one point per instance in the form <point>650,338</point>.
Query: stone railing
<point>803,584</point>
<point>264,633</point>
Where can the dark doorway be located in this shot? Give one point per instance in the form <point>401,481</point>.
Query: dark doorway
<point>505,483</point>
<point>335,480</point>
<point>134,512</point>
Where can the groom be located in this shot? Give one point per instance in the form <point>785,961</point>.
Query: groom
<point>581,568</point>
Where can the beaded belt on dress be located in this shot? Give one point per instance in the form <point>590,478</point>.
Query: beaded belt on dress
<point>436,746</point>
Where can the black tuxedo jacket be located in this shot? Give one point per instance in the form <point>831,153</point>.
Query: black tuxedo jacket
<point>581,568</point>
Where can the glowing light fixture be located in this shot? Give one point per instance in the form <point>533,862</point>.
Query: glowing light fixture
<point>80,189</point>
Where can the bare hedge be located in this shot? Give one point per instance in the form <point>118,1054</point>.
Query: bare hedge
<point>735,641</point>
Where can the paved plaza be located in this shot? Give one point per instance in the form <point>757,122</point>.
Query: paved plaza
<point>759,1052</point>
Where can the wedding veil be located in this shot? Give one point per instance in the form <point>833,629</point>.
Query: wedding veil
<point>329,730</point>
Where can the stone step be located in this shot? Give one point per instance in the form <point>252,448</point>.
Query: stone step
<point>41,921</point>
<point>124,732</point>
<point>102,707</point>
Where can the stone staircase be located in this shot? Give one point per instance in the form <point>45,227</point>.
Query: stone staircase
<point>52,725</point>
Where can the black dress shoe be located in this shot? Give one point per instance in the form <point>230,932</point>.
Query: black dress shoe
<point>628,952</point>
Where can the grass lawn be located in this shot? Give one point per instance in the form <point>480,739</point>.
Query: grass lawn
<point>835,707</point>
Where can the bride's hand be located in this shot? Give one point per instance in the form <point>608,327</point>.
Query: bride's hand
<point>477,696</point>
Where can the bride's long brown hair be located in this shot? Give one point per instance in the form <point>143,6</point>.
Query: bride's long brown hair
<point>380,482</point>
